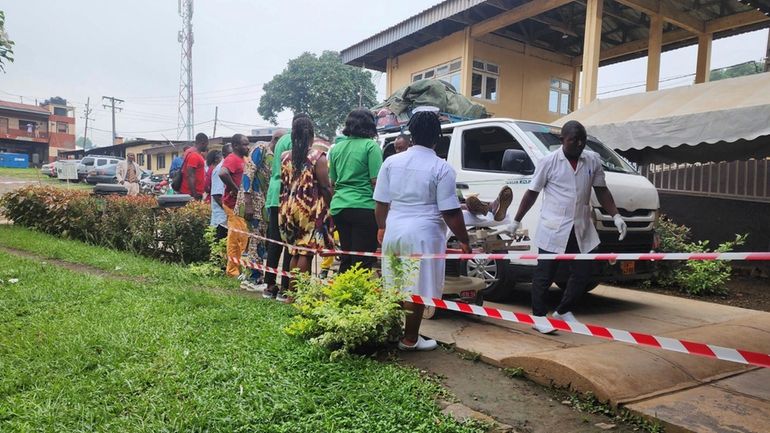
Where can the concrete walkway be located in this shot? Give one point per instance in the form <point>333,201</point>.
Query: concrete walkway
<point>684,392</point>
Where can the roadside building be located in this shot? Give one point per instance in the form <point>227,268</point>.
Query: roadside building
<point>532,59</point>
<point>39,131</point>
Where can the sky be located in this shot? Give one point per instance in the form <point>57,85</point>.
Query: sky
<point>78,49</point>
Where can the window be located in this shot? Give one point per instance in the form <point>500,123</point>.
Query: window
<point>149,162</point>
<point>161,161</point>
<point>4,125</point>
<point>61,127</point>
<point>483,148</point>
<point>559,97</point>
<point>484,80</point>
<point>100,162</point>
<point>59,111</point>
<point>140,159</point>
<point>449,72</point>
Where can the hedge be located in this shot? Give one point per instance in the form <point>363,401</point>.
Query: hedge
<point>127,223</point>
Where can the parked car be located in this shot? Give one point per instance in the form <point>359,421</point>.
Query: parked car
<point>91,162</point>
<point>48,169</point>
<point>490,153</point>
<point>106,174</point>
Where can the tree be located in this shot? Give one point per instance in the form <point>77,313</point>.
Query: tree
<point>322,87</point>
<point>6,45</point>
<point>739,70</point>
<point>84,143</point>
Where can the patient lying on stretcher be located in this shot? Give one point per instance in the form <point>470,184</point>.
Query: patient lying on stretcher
<point>487,214</point>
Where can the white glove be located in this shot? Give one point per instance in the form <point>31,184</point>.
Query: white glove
<point>514,227</point>
<point>621,225</point>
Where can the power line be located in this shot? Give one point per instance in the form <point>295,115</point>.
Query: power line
<point>157,130</point>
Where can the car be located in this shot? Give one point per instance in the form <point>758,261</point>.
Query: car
<point>59,167</point>
<point>106,174</point>
<point>48,169</point>
<point>91,162</point>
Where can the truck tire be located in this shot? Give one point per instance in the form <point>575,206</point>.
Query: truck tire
<point>495,275</point>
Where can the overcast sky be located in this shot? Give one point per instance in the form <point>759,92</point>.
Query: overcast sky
<point>128,49</point>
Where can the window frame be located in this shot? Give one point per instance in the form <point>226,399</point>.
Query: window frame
<point>557,85</point>
<point>457,64</point>
<point>464,151</point>
<point>160,161</point>
<point>487,71</point>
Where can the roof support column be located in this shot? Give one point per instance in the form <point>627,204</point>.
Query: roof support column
<point>654,48</point>
<point>575,89</point>
<point>591,48</point>
<point>389,79</point>
<point>467,67</point>
<point>703,65</point>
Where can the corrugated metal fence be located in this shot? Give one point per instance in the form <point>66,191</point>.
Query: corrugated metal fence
<point>739,180</point>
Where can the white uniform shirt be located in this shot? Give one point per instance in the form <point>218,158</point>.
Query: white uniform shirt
<point>567,200</point>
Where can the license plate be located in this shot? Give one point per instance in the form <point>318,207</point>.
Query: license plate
<point>467,294</point>
<point>627,268</point>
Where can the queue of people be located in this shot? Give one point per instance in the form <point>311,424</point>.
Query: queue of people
<point>304,192</point>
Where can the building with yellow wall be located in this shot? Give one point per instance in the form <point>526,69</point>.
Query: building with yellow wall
<point>529,59</point>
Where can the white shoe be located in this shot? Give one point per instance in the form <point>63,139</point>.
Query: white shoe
<point>567,317</point>
<point>545,328</point>
<point>422,344</point>
<point>250,286</point>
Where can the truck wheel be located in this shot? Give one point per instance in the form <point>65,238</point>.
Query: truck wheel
<point>493,273</point>
<point>591,285</point>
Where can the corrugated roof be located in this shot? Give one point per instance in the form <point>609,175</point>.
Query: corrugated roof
<point>407,27</point>
<point>23,107</point>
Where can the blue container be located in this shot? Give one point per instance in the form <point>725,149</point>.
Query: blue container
<point>14,160</point>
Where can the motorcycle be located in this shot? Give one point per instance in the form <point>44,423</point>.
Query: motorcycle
<point>157,184</point>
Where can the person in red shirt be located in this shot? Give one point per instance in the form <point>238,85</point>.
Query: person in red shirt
<point>231,174</point>
<point>194,168</point>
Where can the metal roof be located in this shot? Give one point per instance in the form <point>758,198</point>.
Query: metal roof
<point>26,108</point>
<point>410,26</point>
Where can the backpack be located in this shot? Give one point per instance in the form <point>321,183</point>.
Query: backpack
<point>176,177</point>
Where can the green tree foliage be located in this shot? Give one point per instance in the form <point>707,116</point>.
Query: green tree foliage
<point>6,45</point>
<point>322,87</point>
<point>748,68</point>
<point>84,143</point>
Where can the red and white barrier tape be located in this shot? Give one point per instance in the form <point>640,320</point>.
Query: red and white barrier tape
<point>750,256</point>
<point>639,339</point>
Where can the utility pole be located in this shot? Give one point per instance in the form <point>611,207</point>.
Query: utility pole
<point>87,116</point>
<point>185,38</point>
<point>216,117</point>
<point>113,100</point>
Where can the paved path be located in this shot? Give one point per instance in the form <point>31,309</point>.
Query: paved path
<point>685,392</point>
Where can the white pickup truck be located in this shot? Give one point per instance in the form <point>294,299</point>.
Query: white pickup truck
<point>490,153</point>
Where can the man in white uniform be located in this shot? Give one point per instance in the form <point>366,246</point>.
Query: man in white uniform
<point>566,176</point>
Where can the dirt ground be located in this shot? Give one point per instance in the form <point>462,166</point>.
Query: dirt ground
<point>518,402</point>
<point>745,291</point>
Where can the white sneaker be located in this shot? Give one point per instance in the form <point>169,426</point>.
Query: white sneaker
<point>567,317</point>
<point>545,328</point>
<point>422,344</point>
<point>250,286</point>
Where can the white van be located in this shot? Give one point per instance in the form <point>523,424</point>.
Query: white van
<point>490,153</point>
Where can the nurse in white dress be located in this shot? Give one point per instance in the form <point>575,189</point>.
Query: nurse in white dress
<point>416,201</point>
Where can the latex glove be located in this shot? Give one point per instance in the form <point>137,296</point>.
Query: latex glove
<point>515,225</point>
<point>621,225</point>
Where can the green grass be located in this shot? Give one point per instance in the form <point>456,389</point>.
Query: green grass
<point>85,353</point>
<point>33,174</point>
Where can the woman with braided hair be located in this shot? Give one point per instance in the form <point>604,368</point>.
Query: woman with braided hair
<point>306,192</point>
<point>416,201</point>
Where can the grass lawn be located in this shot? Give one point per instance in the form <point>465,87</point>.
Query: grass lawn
<point>157,353</point>
<point>33,174</point>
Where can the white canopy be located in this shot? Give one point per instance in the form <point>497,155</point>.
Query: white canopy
<point>717,121</point>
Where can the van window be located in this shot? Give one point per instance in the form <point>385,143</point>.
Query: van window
<point>113,161</point>
<point>87,161</point>
<point>483,148</point>
<point>100,162</point>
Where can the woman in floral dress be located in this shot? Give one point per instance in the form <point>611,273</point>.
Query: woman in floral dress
<point>306,192</point>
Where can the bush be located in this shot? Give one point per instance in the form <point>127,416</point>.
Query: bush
<point>217,255</point>
<point>348,313</point>
<point>692,277</point>
<point>125,223</point>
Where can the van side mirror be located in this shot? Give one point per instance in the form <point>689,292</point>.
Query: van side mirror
<point>517,161</point>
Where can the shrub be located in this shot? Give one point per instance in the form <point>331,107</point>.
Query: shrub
<point>217,255</point>
<point>692,277</point>
<point>126,223</point>
<point>348,313</point>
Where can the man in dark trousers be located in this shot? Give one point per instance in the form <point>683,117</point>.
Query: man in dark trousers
<point>566,177</point>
